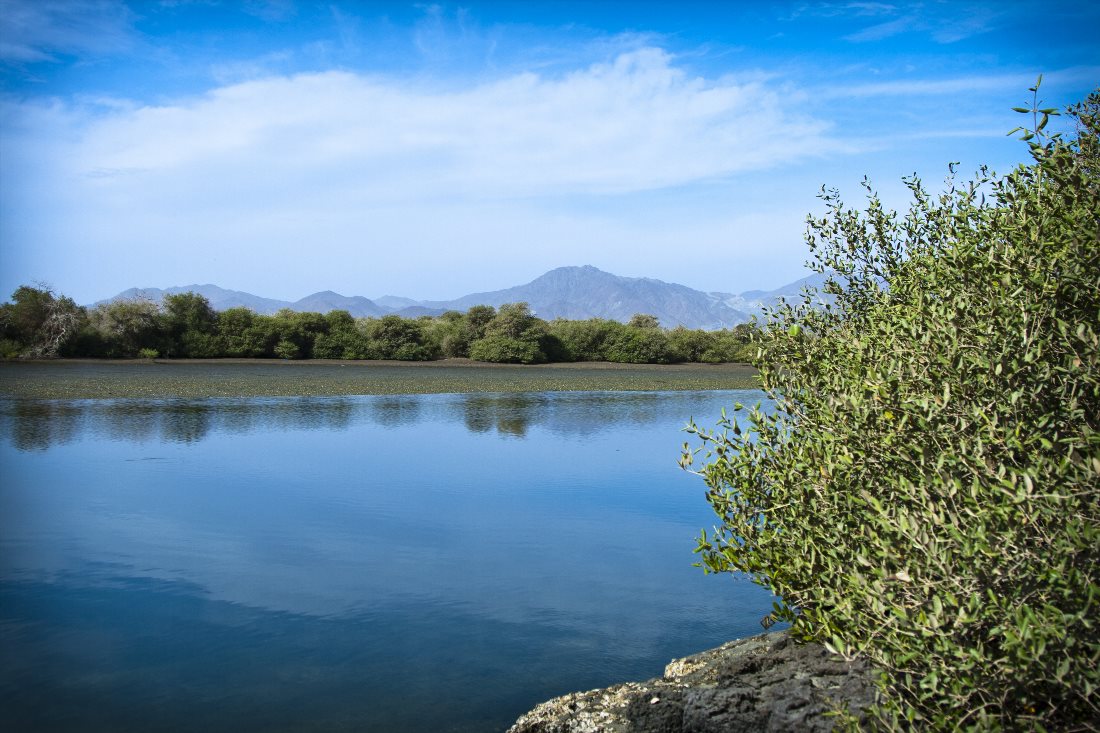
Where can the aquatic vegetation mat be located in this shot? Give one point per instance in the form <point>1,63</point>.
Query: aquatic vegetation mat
<point>246,378</point>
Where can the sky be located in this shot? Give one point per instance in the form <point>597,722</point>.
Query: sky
<point>284,147</point>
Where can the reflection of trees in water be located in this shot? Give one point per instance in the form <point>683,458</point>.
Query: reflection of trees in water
<point>137,423</point>
<point>283,414</point>
<point>510,414</point>
<point>393,411</point>
<point>37,425</point>
<point>576,414</point>
<point>188,423</point>
<point>141,422</point>
<point>40,425</point>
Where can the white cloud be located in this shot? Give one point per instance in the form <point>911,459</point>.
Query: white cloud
<point>374,172</point>
<point>637,123</point>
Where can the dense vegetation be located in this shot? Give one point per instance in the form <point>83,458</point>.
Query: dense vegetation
<point>927,494</point>
<point>39,324</point>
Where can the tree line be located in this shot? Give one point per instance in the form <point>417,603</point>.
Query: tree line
<point>38,323</point>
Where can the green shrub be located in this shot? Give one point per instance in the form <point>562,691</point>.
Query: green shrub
<point>585,340</point>
<point>394,337</point>
<point>287,349</point>
<point>516,336</point>
<point>9,349</point>
<point>640,346</point>
<point>926,493</point>
<point>507,350</point>
<point>148,353</point>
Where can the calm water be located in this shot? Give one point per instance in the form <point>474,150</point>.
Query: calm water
<point>413,563</point>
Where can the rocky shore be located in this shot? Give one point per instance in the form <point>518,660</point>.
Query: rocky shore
<point>762,683</point>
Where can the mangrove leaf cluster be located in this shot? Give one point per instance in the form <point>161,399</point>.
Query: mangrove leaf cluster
<point>927,493</point>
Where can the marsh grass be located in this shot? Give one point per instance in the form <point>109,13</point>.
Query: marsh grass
<point>97,379</point>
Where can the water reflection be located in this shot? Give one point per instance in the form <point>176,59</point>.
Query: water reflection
<point>391,411</point>
<point>36,425</point>
<point>509,414</point>
<point>414,563</point>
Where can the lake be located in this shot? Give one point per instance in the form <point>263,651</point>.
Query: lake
<point>406,563</point>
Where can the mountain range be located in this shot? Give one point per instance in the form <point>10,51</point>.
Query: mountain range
<point>565,292</point>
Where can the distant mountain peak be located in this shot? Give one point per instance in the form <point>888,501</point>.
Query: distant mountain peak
<point>572,291</point>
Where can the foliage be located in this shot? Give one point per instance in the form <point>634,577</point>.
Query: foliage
<point>186,326</point>
<point>340,338</point>
<point>189,325</point>
<point>393,337</point>
<point>643,320</point>
<point>449,334</point>
<point>26,313</point>
<point>507,350</point>
<point>296,333</point>
<point>640,346</point>
<point>123,328</point>
<point>927,492</point>
<point>584,340</point>
<point>287,349</point>
<point>38,323</point>
<point>713,347</point>
<point>237,333</point>
<point>514,335</point>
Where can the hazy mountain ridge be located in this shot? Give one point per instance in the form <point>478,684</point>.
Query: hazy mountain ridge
<point>566,292</point>
<point>753,302</point>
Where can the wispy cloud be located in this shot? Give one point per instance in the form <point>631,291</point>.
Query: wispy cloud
<point>944,23</point>
<point>231,72</point>
<point>372,170</point>
<point>970,21</point>
<point>839,10</point>
<point>270,10</point>
<point>42,31</point>
<point>886,29</point>
<point>637,123</point>
<point>925,87</point>
<point>1009,82</point>
<point>870,8</point>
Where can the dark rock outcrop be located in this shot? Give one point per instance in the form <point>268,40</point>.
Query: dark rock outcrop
<point>762,683</point>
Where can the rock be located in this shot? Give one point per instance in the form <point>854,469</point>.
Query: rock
<point>762,683</point>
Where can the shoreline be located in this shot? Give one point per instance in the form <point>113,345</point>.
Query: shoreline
<point>758,683</point>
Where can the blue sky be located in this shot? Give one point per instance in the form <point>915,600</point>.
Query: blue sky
<point>431,150</point>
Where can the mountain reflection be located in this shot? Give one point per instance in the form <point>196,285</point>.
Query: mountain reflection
<point>35,425</point>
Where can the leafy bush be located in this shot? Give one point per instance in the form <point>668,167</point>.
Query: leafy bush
<point>393,337</point>
<point>9,348</point>
<point>507,350</point>
<point>123,327</point>
<point>188,324</point>
<point>584,340</point>
<point>39,324</point>
<point>640,346</point>
<point>516,336</point>
<point>927,492</point>
<point>287,349</point>
<point>449,334</point>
